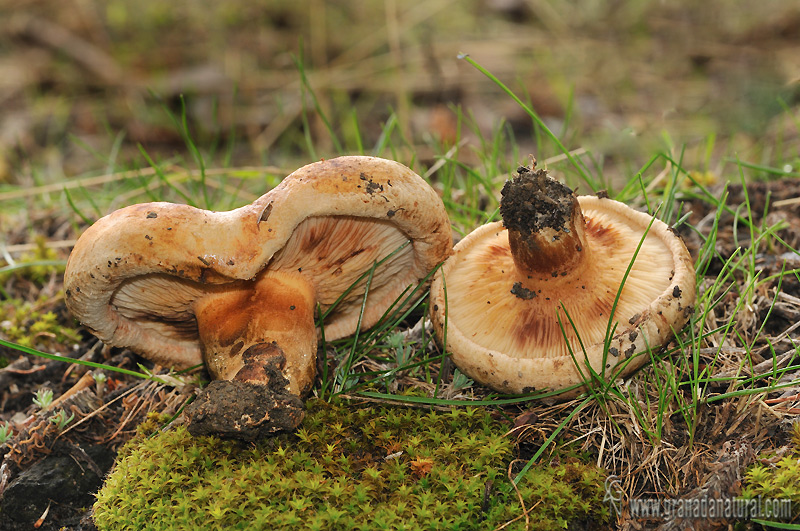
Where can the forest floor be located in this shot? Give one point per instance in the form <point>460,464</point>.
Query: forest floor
<point>103,106</point>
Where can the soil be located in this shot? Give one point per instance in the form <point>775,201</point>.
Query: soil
<point>48,476</point>
<point>533,191</point>
<point>243,410</point>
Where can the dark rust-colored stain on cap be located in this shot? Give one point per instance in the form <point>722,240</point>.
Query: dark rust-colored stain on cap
<point>151,215</point>
<point>313,238</point>
<point>676,292</point>
<point>603,235</point>
<point>496,251</point>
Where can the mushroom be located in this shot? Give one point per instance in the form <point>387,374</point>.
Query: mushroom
<point>529,299</point>
<point>239,290</point>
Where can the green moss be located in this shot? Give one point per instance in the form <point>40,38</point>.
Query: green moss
<point>37,265</point>
<point>348,467</point>
<point>779,479</point>
<point>29,325</point>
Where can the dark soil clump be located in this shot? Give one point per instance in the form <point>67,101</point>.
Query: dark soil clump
<point>532,201</point>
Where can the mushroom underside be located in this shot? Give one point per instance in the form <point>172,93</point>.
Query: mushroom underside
<point>333,253</point>
<point>518,330</point>
<point>533,322</point>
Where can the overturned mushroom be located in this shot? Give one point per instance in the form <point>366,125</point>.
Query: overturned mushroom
<point>239,289</point>
<point>527,294</point>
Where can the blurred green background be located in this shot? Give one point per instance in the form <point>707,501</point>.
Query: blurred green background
<point>83,83</point>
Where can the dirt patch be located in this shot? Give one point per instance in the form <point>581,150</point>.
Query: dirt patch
<point>532,201</point>
<point>243,410</point>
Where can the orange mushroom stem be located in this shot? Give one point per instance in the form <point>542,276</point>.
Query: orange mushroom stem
<point>267,324</point>
<point>546,228</point>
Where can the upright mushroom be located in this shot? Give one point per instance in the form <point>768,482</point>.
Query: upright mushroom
<point>239,289</point>
<point>527,294</point>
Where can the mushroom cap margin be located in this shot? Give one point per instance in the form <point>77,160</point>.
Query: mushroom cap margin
<point>651,326</point>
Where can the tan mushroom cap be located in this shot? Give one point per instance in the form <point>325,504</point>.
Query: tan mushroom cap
<point>138,277</point>
<point>503,322</point>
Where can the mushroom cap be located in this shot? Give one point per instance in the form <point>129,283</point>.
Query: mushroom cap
<point>503,327</point>
<point>134,275</point>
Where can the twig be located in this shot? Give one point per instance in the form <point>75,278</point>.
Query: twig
<point>104,406</point>
<point>121,176</point>
<point>28,247</point>
<point>84,382</point>
<point>525,512</point>
<point>783,399</point>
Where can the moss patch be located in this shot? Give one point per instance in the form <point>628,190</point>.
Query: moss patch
<point>348,467</point>
<point>30,325</point>
<point>776,479</point>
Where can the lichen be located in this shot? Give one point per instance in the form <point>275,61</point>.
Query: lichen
<point>348,467</point>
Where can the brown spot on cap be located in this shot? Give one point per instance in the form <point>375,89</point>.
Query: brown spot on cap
<point>522,292</point>
<point>604,235</point>
<point>265,214</point>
